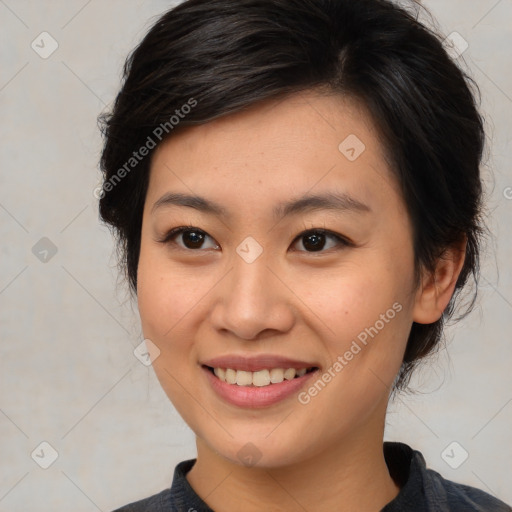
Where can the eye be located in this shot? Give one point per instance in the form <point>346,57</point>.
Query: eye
<point>314,240</point>
<point>192,238</point>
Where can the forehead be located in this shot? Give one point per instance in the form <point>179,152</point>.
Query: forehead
<point>304,142</point>
<point>282,123</point>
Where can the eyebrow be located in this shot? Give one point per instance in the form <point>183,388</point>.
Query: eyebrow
<point>306,203</point>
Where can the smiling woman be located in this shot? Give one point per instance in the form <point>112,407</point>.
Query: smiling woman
<point>295,243</point>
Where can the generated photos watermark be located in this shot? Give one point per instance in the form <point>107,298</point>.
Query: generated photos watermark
<point>355,348</point>
<point>152,140</point>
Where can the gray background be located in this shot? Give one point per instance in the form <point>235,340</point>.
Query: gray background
<point>68,375</point>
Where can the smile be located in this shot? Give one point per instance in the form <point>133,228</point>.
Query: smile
<point>261,378</point>
<point>254,390</point>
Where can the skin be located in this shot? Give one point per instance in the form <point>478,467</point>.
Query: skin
<point>200,303</point>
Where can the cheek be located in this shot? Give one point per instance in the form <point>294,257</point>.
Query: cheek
<point>346,299</point>
<point>362,313</point>
<point>157,302</point>
<point>164,298</point>
<point>164,293</point>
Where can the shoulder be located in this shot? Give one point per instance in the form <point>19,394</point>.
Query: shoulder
<point>426,490</point>
<point>455,496</point>
<point>151,504</point>
<point>180,497</point>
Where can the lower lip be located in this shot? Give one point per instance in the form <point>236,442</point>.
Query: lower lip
<point>253,397</point>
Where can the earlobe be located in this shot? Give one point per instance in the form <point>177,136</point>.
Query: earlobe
<point>436,288</point>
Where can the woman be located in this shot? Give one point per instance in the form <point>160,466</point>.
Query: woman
<point>295,189</point>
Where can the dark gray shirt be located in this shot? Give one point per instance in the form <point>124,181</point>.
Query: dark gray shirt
<point>421,490</point>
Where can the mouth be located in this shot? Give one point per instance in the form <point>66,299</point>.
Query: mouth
<point>260,378</point>
<point>260,389</point>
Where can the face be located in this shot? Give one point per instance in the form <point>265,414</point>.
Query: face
<point>261,272</point>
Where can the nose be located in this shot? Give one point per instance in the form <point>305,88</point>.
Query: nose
<point>253,300</point>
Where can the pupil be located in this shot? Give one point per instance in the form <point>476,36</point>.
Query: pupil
<point>316,240</point>
<point>195,238</point>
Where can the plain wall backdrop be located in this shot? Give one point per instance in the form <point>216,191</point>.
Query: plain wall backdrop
<point>68,374</point>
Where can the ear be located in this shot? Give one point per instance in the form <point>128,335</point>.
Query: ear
<point>436,289</point>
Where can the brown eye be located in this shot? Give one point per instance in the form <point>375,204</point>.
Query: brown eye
<point>191,238</point>
<point>315,240</point>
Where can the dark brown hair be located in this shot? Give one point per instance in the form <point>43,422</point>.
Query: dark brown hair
<point>223,56</point>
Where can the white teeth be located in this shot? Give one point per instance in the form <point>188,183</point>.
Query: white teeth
<point>221,373</point>
<point>230,376</point>
<point>243,378</point>
<point>276,375</point>
<point>260,378</point>
<point>289,374</point>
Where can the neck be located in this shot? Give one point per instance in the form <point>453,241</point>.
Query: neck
<point>350,476</point>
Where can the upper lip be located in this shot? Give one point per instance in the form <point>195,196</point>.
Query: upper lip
<point>256,363</point>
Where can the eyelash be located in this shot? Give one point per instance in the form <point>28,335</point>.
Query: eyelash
<point>343,242</point>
